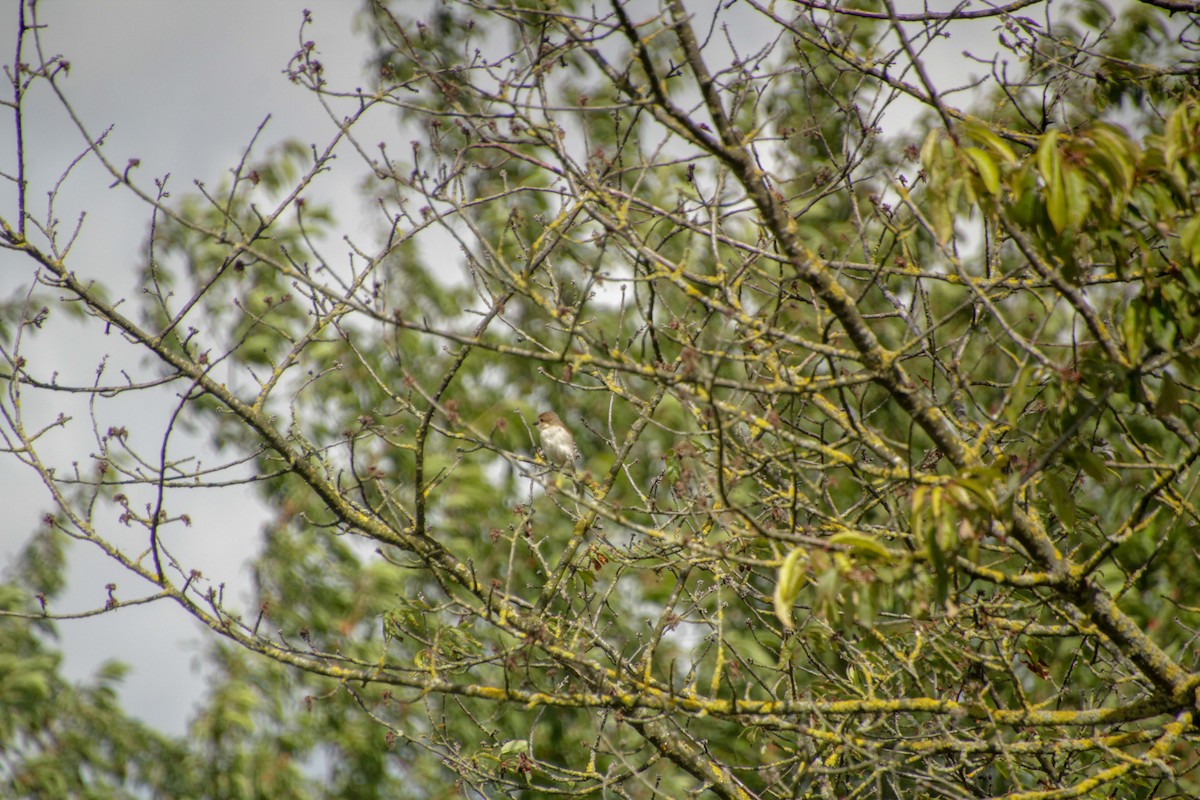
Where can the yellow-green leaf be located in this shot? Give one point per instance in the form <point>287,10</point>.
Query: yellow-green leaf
<point>985,135</point>
<point>1078,200</point>
<point>988,171</point>
<point>929,149</point>
<point>861,544</point>
<point>1049,163</point>
<point>789,581</point>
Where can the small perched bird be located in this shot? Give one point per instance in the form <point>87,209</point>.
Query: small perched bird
<point>557,442</point>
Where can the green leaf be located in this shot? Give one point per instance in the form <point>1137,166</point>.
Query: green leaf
<point>1077,198</point>
<point>1189,239</point>
<point>860,544</point>
<point>1092,464</point>
<point>829,587</point>
<point>1163,329</point>
<point>935,537</point>
<point>919,499</point>
<point>1133,327</point>
<point>1025,195</point>
<point>1116,157</point>
<point>1170,397</point>
<point>788,583</point>
<point>930,150</point>
<point>514,746</point>
<point>1049,164</point>
<point>985,135</point>
<point>1050,167</point>
<point>943,221</point>
<point>988,171</point>
<point>980,488</point>
<point>1176,136</point>
<point>1061,501</point>
<point>941,567</point>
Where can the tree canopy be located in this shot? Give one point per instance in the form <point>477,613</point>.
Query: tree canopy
<point>884,382</point>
